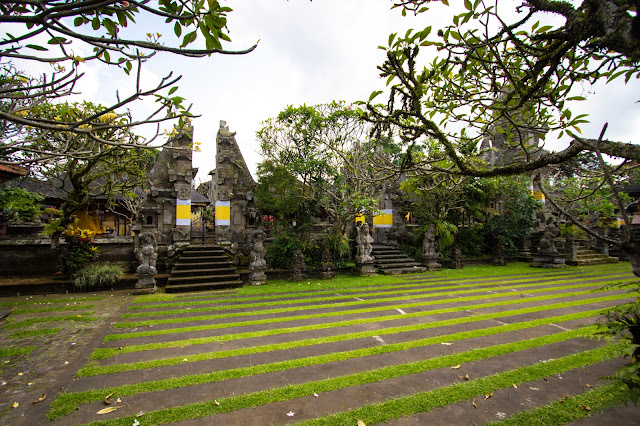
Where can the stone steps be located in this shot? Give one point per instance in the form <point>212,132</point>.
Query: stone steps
<point>203,268</point>
<point>391,261</point>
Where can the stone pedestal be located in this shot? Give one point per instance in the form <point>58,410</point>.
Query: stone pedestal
<point>431,262</point>
<point>257,276</point>
<point>326,266</point>
<point>298,267</point>
<point>146,280</point>
<point>548,260</point>
<point>366,269</point>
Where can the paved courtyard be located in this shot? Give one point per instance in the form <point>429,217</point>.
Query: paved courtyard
<point>419,349</point>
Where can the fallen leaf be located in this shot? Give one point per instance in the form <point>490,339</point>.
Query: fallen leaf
<point>488,395</point>
<point>120,348</point>
<point>106,398</point>
<point>585,407</point>
<point>42,398</point>
<point>140,414</point>
<point>361,423</point>
<point>455,367</point>
<point>109,409</point>
<point>446,343</point>
<point>514,385</point>
<point>588,386</point>
<point>118,401</point>
<point>7,362</point>
<point>474,404</point>
<point>465,377</point>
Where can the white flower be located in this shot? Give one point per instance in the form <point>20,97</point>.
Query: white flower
<point>291,414</point>
<point>136,422</point>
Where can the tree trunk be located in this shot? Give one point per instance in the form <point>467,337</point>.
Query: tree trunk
<point>632,251</point>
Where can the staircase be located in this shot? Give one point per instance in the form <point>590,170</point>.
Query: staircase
<point>391,261</point>
<point>202,268</point>
<point>591,257</point>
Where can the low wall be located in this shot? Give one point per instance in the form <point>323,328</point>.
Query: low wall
<point>33,256</point>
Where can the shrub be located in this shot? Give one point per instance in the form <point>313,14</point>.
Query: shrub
<point>19,205</point>
<point>97,275</point>
<point>472,242</point>
<point>79,250</point>
<point>280,251</point>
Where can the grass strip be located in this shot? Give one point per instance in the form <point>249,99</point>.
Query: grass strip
<point>51,301</point>
<point>84,317</point>
<point>102,353</point>
<point>476,272</point>
<point>51,309</point>
<point>33,333</point>
<point>69,402</point>
<point>426,401</point>
<point>393,408</point>
<point>358,293</point>
<point>94,370</point>
<point>23,351</point>
<point>121,336</point>
<point>566,410</point>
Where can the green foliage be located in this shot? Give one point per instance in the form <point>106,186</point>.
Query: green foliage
<point>622,323</point>
<point>338,245</point>
<point>317,158</point>
<point>507,210</point>
<point>472,242</point>
<point>78,250</point>
<point>97,275</point>
<point>280,251</point>
<point>19,205</point>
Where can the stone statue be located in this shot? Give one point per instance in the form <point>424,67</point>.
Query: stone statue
<point>147,253</point>
<point>429,243</point>
<point>547,241</point>
<point>256,256</point>
<point>363,244</point>
<point>298,267</point>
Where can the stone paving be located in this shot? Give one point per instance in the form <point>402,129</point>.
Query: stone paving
<point>280,358</point>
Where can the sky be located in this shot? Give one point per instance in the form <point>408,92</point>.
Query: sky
<point>308,53</point>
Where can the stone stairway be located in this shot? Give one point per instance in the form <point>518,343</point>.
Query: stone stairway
<point>591,257</point>
<point>202,268</point>
<point>391,261</point>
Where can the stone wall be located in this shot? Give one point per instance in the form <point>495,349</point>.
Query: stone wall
<point>32,256</point>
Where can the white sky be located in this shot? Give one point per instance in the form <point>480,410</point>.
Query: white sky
<point>309,52</point>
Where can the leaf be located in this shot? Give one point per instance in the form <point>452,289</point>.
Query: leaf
<point>374,94</point>
<point>455,367</point>
<point>585,407</point>
<point>106,398</point>
<point>446,343</point>
<point>361,423</point>
<point>514,385</point>
<point>36,47</point>
<point>42,398</point>
<point>109,409</point>
<point>474,404</point>
<point>488,395</point>
<point>465,377</point>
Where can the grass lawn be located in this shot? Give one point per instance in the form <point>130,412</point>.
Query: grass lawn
<point>478,345</point>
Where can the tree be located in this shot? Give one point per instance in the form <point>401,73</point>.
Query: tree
<point>96,168</point>
<point>54,32</point>
<point>509,80</point>
<point>326,150</point>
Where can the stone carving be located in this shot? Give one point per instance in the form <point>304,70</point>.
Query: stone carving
<point>147,254</point>
<point>429,257</point>
<point>457,257</point>
<point>326,265</point>
<point>257,264</point>
<point>363,244</point>
<point>547,241</point>
<point>183,191</point>
<point>429,243</point>
<point>298,266</point>
<point>256,256</point>
<point>548,256</point>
